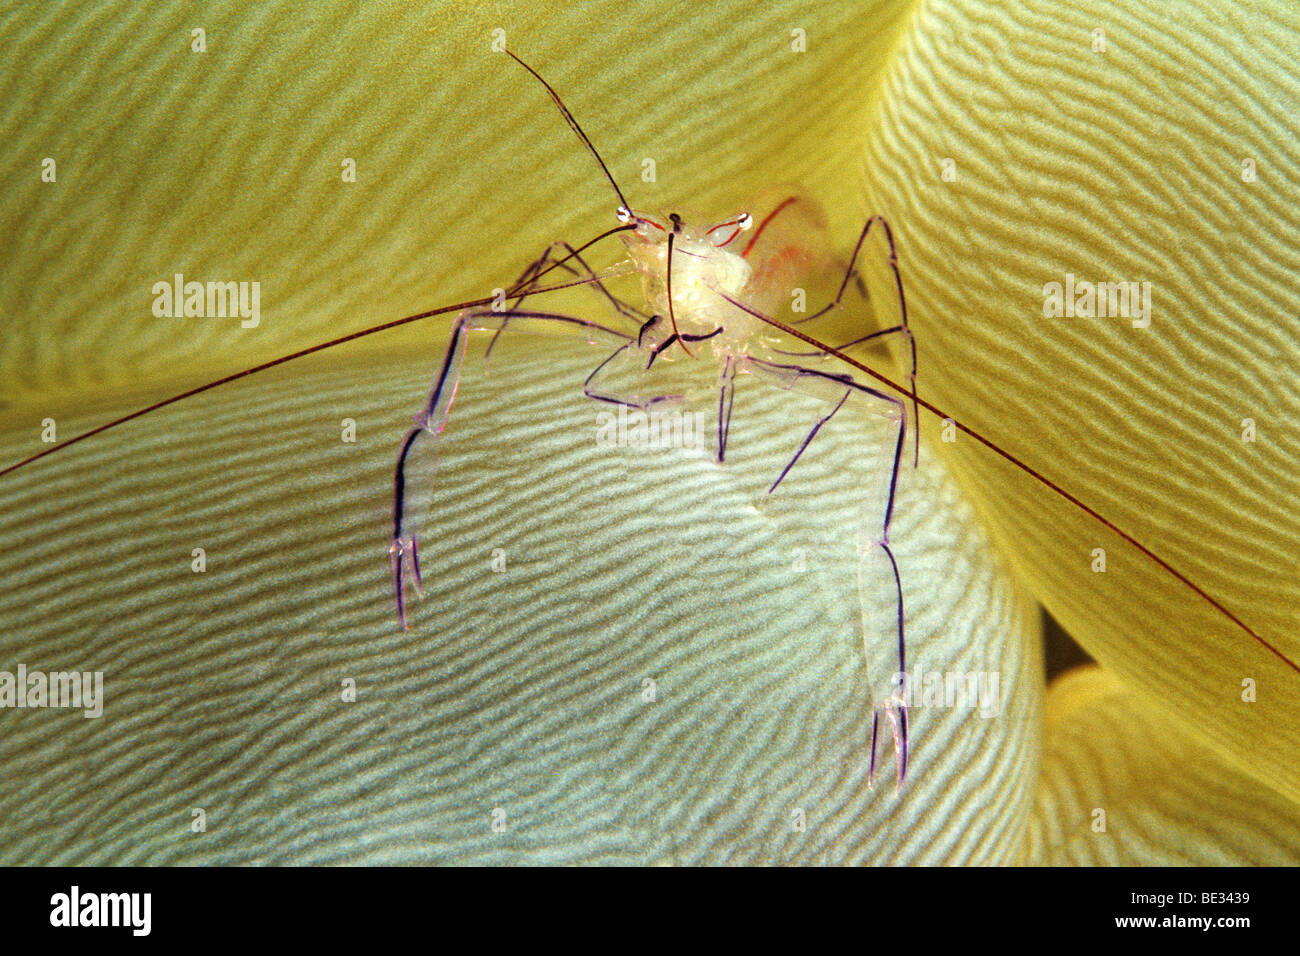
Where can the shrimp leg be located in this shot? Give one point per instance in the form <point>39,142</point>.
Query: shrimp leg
<point>876,560</point>
<point>522,287</point>
<point>417,458</point>
<point>883,290</point>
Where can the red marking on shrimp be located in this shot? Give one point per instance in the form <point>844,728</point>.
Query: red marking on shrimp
<point>763,225</point>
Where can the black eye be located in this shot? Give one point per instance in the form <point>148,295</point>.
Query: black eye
<point>676,220</point>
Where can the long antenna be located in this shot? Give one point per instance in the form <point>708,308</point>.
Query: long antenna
<point>573,125</point>
<point>1031,472</point>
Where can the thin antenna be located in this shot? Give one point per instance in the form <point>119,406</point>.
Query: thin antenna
<point>573,125</point>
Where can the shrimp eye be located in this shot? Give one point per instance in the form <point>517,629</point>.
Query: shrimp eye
<point>676,220</point>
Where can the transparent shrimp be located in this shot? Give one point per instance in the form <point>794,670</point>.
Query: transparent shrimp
<point>704,295</point>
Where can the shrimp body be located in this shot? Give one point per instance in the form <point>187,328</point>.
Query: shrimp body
<point>702,273</point>
<point>697,295</point>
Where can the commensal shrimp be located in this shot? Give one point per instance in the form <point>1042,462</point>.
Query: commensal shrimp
<point>706,299</point>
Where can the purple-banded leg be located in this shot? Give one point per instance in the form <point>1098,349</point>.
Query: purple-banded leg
<point>573,263</point>
<point>874,264</point>
<point>417,466</point>
<point>599,393</point>
<point>875,556</point>
<point>645,342</point>
<point>417,458</point>
<point>726,396</point>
